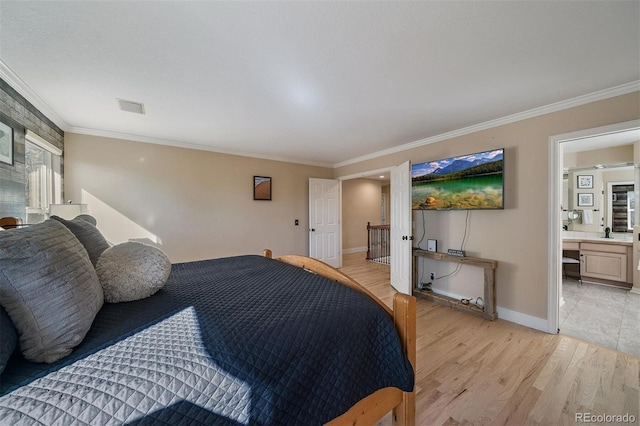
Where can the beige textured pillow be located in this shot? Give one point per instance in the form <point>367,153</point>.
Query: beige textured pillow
<point>132,271</point>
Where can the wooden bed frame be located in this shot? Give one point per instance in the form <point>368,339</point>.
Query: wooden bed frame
<point>372,408</point>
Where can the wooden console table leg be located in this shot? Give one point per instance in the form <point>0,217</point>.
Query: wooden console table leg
<point>415,277</point>
<point>489,293</point>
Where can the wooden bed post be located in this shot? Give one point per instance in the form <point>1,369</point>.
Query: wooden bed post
<point>267,253</point>
<point>404,317</point>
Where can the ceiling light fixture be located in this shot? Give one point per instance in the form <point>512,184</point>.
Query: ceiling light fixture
<point>131,106</point>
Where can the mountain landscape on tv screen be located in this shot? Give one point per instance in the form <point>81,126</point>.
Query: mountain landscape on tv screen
<point>459,167</point>
<point>461,164</point>
<point>467,182</point>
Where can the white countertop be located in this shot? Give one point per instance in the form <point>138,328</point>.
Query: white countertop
<point>597,236</point>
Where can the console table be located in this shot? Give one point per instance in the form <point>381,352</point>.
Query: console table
<point>489,266</point>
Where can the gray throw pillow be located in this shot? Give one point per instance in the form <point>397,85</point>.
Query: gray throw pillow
<point>132,271</point>
<point>49,288</point>
<point>84,228</point>
<point>8,338</point>
<point>87,218</point>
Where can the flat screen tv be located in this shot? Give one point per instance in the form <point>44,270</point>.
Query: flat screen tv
<point>469,182</point>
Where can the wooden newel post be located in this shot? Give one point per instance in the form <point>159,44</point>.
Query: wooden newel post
<point>368,240</point>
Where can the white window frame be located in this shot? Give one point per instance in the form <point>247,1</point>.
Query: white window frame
<point>51,179</point>
<point>630,212</point>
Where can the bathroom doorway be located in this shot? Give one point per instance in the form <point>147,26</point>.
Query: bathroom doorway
<point>594,309</point>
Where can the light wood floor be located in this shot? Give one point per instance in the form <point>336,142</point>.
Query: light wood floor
<point>473,371</point>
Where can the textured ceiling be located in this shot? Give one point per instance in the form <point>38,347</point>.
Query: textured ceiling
<point>316,82</point>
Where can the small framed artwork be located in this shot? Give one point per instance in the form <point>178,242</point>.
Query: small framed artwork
<point>6,144</point>
<point>585,199</point>
<point>585,181</point>
<point>261,188</point>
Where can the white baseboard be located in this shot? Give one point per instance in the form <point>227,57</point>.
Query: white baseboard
<point>354,250</point>
<point>523,319</point>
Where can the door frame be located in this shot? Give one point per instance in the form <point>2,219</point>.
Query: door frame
<point>378,172</point>
<point>360,175</point>
<point>554,215</point>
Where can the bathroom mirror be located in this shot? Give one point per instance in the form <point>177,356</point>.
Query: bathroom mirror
<point>608,191</point>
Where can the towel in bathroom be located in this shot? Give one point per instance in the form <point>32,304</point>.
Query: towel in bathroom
<point>587,217</point>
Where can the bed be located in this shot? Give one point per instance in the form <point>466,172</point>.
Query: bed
<point>230,341</point>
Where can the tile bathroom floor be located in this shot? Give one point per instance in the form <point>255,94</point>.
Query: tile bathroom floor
<point>603,315</point>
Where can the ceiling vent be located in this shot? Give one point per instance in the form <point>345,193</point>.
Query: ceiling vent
<point>131,106</point>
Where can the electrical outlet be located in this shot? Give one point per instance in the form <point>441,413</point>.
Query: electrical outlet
<point>433,276</point>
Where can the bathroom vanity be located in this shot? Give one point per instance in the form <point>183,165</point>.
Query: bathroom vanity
<point>607,261</point>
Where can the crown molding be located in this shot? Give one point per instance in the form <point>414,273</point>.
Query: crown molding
<point>13,80</point>
<point>23,89</point>
<point>622,89</point>
<point>190,145</point>
<point>30,95</point>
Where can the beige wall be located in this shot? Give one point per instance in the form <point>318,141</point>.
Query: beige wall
<point>195,204</point>
<point>518,235</point>
<point>613,155</point>
<point>361,203</point>
<point>199,204</point>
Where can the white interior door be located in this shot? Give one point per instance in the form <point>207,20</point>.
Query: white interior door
<point>401,228</point>
<point>324,221</point>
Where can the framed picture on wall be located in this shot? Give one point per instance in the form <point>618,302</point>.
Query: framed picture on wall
<point>261,188</point>
<point>585,181</point>
<point>6,144</point>
<point>585,199</point>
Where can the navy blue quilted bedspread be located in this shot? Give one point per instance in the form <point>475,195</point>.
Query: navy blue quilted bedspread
<point>303,349</point>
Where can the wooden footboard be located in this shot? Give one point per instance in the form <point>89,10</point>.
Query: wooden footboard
<point>372,408</point>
